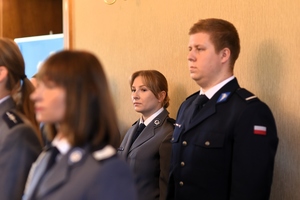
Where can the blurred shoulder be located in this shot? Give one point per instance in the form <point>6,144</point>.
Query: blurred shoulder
<point>13,121</point>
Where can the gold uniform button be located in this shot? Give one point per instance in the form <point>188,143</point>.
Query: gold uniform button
<point>184,143</point>
<point>182,164</point>
<point>207,143</point>
<point>181,183</point>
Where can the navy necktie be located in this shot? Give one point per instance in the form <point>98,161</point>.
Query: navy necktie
<point>53,154</point>
<point>138,131</point>
<point>53,151</point>
<point>198,104</point>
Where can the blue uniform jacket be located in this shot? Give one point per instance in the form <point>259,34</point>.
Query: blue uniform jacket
<point>227,152</point>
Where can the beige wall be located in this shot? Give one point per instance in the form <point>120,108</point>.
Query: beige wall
<point>152,34</point>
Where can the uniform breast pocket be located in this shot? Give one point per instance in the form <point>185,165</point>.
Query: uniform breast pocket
<point>211,151</point>
<point>210,140</point>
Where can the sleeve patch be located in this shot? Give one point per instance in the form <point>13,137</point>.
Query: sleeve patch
<point>12,119</point>
<point>260,130</point>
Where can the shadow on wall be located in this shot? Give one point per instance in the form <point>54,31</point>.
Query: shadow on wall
<point>119,104</point>
<point>269,76</point>
<point>269,68</point>
<point>178,93</point>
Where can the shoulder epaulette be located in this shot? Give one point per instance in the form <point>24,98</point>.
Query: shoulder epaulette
<point>246,95</point>
<point>12,119</point>
<point>198,92</point>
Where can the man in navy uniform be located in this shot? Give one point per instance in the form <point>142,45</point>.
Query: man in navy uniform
<point>224,145</point>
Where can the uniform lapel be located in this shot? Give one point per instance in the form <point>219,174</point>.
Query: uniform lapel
<point>210,107</point>
<point>145,135</point>
<point>208,110</point>
<point>6,105</point>
<point>36,172</point>
<point>54,178</point>
<point>60,172</point>
<point>127,147</point>
<point>149,131</point>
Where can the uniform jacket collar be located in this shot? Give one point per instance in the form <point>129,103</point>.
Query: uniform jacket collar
<point>58,175</point>
<point>148,132</point>
<point>210,108</point>
<point>7,105</point>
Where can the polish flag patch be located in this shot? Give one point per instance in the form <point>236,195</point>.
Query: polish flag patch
<point>260,130</point>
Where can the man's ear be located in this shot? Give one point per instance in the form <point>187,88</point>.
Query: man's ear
<point>3,73</point>
<point>225,55</point>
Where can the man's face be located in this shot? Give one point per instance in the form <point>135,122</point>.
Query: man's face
<point>203,61</point>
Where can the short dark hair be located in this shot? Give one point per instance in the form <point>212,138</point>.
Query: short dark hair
<point>222,34</point>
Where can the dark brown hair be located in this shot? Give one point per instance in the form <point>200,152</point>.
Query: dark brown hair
<point>222,34</point>
<point>155,81</point>
<point>17,83</point>
<point>90,114</point>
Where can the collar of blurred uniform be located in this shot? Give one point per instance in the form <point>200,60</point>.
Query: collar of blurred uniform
<point>61,144</point>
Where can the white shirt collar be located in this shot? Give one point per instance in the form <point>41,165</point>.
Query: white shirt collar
<point>61,144</point>
<point>212,91</point>
<point>4,98</point>
<point>64,146</point>
<point>147,121</point>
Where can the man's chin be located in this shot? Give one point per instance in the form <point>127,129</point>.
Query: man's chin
<point>193,76</point>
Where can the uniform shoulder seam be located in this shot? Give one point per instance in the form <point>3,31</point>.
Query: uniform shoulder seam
<point>246,95</point>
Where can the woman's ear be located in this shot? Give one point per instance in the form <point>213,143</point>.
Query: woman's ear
<point>161,96</point>
<point>3,73</point>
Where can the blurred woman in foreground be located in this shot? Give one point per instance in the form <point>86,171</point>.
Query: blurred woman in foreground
<point>73,100</point>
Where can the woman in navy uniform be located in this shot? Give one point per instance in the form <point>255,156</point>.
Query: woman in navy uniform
<point>72,99</point>
<point>20,140</point>
<point>149,153</point>
<point>226,150</point>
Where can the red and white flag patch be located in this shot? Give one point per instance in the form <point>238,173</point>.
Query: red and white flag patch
<point>260,130</point>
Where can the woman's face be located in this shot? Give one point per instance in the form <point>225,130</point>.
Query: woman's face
<point>144,101</point>
<point>49,102</point>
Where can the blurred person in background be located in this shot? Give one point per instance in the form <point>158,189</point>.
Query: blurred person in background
<point>20,139</point>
